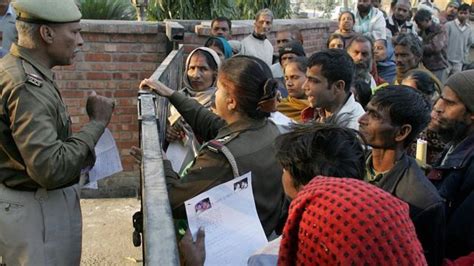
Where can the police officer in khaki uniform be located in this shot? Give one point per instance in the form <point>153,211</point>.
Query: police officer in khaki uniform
<point>40,158</point>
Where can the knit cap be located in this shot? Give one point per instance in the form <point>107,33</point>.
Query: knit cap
<point>453,4</point>
<point>344,221</point>
<point>292,47</point>
<point>462,84</point>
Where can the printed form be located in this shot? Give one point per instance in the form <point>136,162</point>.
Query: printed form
<point>229,217</point>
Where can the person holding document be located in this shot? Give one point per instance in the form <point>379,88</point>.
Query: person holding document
<point>41,160</point>
<point>245,96</point>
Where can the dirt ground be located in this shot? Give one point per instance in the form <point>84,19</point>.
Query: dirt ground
<point>107,232</point>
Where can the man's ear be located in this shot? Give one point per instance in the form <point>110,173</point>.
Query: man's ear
<point>470,118</point>
<point>403,133</point>
<point>231,103</point>
<point>339,86</point>
<point>47,33</point>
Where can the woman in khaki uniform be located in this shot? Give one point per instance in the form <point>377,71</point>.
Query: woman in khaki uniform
<point>245,97</point>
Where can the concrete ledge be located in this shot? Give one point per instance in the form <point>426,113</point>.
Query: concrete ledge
<point>122,26</point>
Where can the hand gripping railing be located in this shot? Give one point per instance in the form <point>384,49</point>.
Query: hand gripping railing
<point>159,239</point>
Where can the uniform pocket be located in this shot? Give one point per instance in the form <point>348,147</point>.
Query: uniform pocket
<point>11,211</point>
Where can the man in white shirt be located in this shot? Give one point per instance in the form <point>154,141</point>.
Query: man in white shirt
<point>459,40</point>
<point>369,20</point>
<point>328,80</point>
<point>257,44</point>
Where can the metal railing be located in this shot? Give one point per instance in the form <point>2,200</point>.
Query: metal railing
<point>158,231</point>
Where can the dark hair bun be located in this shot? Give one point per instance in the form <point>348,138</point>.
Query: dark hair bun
<point>269,89</point>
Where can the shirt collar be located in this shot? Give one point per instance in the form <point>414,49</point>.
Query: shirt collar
<point>371,175</point>
<point>25,54</point>
<point>389,179</point>
<point>241,125</point>
<point>456,20</point>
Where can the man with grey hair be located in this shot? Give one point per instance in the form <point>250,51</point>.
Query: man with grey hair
<point>360,48</point>
<point>41,160</point>
<point>257,44</point>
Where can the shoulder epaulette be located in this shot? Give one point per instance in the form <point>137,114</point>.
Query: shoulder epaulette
<point>218,146</point>
<point>31,75</point>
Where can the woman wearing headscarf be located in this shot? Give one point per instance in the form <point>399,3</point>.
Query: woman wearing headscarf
<point>199,82</point>
<point>221,46</point>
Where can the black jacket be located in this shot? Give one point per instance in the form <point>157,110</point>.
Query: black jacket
<point>454,179</point>
<point>407,182</point>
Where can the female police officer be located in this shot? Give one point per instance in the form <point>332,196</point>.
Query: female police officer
<point>244,99</point>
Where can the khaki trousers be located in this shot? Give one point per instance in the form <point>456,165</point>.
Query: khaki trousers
<point>40,228</point>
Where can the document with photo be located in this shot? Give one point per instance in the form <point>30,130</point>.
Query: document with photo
<point>229,217</point>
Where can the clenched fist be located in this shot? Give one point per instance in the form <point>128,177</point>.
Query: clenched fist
<point>99,108</point>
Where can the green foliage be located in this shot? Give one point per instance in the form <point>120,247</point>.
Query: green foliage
<point>248,8</point>
<point>209,9</point>
<point>327,6</point>
<point>108,9</point>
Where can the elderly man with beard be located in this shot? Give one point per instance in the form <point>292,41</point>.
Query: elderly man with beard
<point>453,118</point>
<point>369,20</point>
<point>360,48</point>
<point>257,44</point>
<point>400,20</point>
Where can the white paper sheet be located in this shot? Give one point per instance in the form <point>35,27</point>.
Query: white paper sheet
<point>282,121</point>
<point>229,218</point>
<point>107,160</point>
<point>176,153</point>
<point>182,152</point>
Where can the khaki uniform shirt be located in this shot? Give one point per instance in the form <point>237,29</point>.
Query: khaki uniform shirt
<point>251,142</point>
<point>37,148</point>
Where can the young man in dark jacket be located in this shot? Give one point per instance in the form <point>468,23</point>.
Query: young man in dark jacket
<point>453,118</point>
<point>394,117</point>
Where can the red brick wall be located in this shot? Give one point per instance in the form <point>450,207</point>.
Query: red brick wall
<point>117,55</point>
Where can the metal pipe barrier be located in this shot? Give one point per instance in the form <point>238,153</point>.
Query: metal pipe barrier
<point>155,221</point>
<point>159,239</point>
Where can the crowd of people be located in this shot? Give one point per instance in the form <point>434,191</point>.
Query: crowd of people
<point>385,80</point>
<point>338,183</point>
